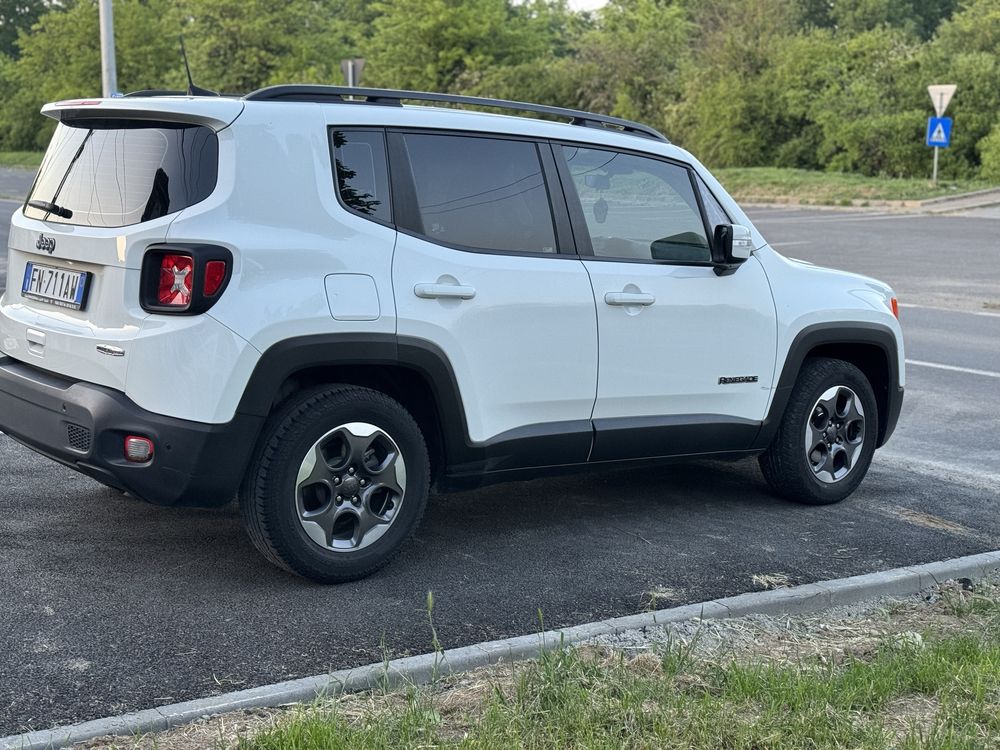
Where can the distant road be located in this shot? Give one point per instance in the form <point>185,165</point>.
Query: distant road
<point>15,183</point>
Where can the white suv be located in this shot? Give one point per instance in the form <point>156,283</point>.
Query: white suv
<point>327,303</point>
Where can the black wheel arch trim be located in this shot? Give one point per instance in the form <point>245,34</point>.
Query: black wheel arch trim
<point>527,446</point>
<point>842,333</point>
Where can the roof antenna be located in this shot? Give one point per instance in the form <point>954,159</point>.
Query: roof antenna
<point>192,89</point>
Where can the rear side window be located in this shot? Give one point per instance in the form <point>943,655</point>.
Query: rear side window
<point>479,193</point>
<point>362,174</point>
<point>114,173</point>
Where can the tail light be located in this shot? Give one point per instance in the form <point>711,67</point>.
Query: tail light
<point>184,279</point>
<point>176,281</point>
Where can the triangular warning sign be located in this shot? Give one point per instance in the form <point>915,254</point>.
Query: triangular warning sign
<point>939,135</point>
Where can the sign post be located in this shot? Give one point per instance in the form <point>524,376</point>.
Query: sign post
<point>109,71</point>
<point>351,68</point>
<point>939,128</point>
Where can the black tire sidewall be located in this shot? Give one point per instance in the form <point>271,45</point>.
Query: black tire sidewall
<point>289,538</point>
<point>817,377</point>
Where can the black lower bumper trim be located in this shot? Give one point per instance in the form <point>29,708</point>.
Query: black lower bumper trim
<point>193,464</point>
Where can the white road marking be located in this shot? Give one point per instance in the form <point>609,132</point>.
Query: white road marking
<point>953,368</point>
<point>981,313</point>
<point>789,244</point>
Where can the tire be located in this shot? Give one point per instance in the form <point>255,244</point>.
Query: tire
<point>822,466</point>
<point>317,502</point>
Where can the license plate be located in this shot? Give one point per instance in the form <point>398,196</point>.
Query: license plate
<point>56,286</point>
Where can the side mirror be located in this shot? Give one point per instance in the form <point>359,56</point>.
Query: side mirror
<point>733,245</point>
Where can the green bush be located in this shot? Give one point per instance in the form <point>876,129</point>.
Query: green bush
<point>806,84</point>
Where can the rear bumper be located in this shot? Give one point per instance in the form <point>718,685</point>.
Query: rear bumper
<point>83,426</point>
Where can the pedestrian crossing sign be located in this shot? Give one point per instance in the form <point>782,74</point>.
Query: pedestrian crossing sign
<point>939,131</point>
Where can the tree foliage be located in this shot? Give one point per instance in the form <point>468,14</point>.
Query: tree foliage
<point>822,84</point>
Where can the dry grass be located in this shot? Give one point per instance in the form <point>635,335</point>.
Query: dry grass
<point>768,581</point>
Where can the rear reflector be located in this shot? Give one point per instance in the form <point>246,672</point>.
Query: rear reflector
<point>138,450</point>
<point>215,274</point>
<point>176,280</point>
<point>895,307</point>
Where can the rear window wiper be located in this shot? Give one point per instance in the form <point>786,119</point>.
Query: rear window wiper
<point>51,208</point>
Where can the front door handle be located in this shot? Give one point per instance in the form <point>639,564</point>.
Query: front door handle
<point>623,299</point>
<point>444,291</point>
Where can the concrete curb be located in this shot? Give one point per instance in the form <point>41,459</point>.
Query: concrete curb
<point>991,194</point>
<point>811,597</point>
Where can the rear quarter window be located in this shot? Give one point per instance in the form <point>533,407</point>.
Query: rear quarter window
<point>115,173</point>
<point>362,172</point>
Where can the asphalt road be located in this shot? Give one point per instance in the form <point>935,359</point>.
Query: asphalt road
<point>109,605</point>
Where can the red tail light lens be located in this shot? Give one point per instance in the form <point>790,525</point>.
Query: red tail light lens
<point>215,274</point>
<point>176,280</point>
<point>184,278</point>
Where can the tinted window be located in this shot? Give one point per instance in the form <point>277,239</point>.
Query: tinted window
<point>362,174</point>
<point>112,173</point>
<point>637,208</point>
<point>480,193</point>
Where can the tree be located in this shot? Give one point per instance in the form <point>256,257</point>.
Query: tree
<point>237,46</point>
<point>17,16</point>
<point>730,111</point>
<point>918,17</point>
<point>432,44</point>
<point>966,52</point>
<point>60,59</point>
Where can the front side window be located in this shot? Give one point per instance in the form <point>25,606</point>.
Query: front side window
<point>114,173</point>
<point>480,193</point>
<point>637,208</point>
<point>362,173</point>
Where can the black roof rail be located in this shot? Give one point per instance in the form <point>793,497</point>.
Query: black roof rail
<point>391,97</point>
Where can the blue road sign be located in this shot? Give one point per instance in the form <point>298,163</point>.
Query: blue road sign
<point>939,131</point>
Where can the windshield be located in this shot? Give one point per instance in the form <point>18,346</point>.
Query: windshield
<point>113,173</point>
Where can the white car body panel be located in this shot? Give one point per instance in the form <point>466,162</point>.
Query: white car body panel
<point>523,349</point>
<point>666,359</point>
<point>847,297</point>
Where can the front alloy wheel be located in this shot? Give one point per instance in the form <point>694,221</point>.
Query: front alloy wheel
<point>826,439</point>
<point>835,434</point>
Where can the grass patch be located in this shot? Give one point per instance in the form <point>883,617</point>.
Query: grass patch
<point>773,184</point>
<point>910,691</point>
<point>25,159</point>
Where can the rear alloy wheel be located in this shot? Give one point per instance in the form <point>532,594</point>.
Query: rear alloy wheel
<point>827,436</point>
<point>350,487</point>
<point>339,482</point>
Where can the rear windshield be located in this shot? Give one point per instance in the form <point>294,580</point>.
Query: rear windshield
<point>113,173</point>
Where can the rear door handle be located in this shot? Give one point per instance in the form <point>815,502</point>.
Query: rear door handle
<point>444,291</point>
<point>622,299</point>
